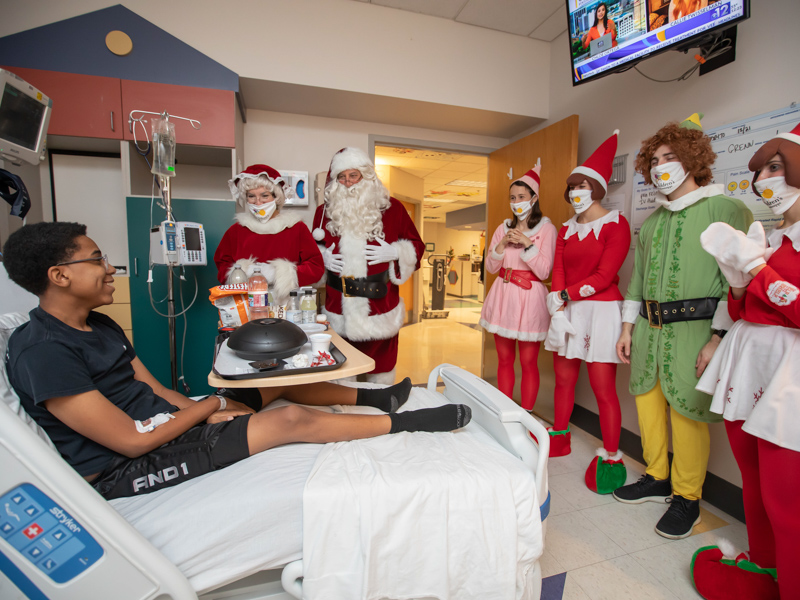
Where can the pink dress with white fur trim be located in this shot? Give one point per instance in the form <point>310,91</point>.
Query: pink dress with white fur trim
<point>509,310</point>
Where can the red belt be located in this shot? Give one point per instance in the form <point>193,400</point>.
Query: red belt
<point>522,278</point>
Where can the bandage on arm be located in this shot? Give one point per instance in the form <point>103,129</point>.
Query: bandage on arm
<point>150,424</point>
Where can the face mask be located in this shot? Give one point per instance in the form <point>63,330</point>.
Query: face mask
<point>580,200</point>
<point>777,195</point>
<point>668,177</point>
<point>521,209</point>
<point>262,212</point>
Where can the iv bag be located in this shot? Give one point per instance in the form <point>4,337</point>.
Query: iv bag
<point>163,147</point>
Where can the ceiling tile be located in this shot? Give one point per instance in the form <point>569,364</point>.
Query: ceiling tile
<point>448,9</point>
<point>520,17</point>
<point>554,26</point>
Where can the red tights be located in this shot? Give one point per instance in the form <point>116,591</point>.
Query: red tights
<point>528,357</point>
<point>603,379</point>
<point>771,489</point>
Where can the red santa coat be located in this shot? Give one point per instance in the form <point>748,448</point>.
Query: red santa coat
<point>283,242</point>
<point>372,325</point>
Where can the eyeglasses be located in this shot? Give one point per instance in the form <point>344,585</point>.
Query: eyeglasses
<point>103,259</point>
<point>354,177</point>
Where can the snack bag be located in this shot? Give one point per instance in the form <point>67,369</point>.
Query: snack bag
<point>231,301</point>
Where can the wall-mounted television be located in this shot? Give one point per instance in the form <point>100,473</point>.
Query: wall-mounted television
<point>24,117</point>
<point>611,35</point>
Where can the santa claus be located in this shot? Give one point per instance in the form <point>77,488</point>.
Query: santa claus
<point>370,247</point>
<point>265,236</point>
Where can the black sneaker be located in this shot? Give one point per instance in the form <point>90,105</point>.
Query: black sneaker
<point>647,489</point>
<point>680,518</point>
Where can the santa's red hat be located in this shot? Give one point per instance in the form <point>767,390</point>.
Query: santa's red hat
<point>346,159</point>
<point>252,172</point>
<point>598,169</point>
<point>531,178</point>
<point>787,145</point>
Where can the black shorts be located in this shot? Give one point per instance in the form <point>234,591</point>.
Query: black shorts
<point>202,449</point>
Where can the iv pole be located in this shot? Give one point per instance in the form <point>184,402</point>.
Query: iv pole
<point>165,183</point>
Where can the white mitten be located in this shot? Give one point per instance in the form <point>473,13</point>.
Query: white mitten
<point>734,276</point>
<point>381,254</point>
<point>559,328</point>
<point>733,248</point>
<point>333,262</point>
<point>554,302</point>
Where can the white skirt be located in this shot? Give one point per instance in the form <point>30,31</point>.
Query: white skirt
<point>597,328</point>
<point>754,376</point>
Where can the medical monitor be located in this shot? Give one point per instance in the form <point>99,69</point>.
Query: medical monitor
<point>641,29</point>
<point>24,117</point>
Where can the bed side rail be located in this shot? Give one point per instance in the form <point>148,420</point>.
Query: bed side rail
<point>501,417</point>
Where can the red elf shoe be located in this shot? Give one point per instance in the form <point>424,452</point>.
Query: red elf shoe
<point>606,472</point>
<point>717,577</point>
<point>560,442</point>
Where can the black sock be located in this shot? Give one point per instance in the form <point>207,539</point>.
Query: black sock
<point>386,399</point>
<point>441,418</point>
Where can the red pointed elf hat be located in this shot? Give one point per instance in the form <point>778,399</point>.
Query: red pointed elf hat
<point>792,136</point>
<point>600,165</point>
<point>531,178</point>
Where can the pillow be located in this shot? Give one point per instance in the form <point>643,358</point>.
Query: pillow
<point>8,323</point>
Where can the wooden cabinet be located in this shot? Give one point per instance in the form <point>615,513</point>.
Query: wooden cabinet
<point>215,109</point>
<point>83,105</point>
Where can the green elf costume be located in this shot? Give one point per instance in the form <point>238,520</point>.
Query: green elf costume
<point>677,301</point>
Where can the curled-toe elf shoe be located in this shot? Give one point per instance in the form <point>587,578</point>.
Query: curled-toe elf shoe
<point>560,442</point>
<point>719,575</point>
<point>606,472</point>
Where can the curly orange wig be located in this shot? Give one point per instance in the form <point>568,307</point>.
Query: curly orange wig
<point>692,147</point>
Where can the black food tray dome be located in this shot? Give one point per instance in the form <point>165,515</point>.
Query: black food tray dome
<point>267,338</point>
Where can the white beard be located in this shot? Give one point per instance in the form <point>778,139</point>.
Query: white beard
<point>357,211</point>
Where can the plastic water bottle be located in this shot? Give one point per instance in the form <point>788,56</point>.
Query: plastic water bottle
<point>237,275</point>
<point>293,312</point>
<point>257,290</point>
<point>309,307</point>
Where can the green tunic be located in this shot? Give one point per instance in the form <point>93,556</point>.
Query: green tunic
<point>671,265</point>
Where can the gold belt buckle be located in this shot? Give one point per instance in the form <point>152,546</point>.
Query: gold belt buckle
<point>507,275</point>
<point>344,286</point>
<point>653,305</point>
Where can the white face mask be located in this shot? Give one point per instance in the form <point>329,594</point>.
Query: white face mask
<point>580,200</point>
<point>262,212</point>
<point>668,177</point>
<point>521,209</point>
<point>777,195</point>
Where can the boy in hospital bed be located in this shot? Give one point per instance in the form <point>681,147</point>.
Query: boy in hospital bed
<point>78,376</point>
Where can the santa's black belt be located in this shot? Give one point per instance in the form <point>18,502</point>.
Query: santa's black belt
<point>661,313</point>
<point>373,286</point>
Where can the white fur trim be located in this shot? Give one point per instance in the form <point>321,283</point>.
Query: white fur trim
<point>385,378</point>
<point>722,320</point>
<point>497,256</point>
<point>792,137</point>
<point>285,280</point>
<point>630,311</point>
<point>529,253</point>
<point>616,456</point>
<point>522,336</point>
<point>591,173</point>
<point>586,291</point>
<point>529,232</point>
<point>727,548</point>
<point>603,453</point>
<point>283,220</point>
<point>349,158</point>
<point>407,261</point>
<point>356,324</point>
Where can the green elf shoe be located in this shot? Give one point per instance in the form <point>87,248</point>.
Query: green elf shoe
<point>606,473</point>
<point>719,573</point>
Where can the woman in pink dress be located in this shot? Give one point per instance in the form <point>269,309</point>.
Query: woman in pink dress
<point>515,310</point>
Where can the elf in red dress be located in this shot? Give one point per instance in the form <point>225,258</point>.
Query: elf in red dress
<point>585,305</point>
<point>267,237</point>
<point>753,377</point>
<point>371,246</point>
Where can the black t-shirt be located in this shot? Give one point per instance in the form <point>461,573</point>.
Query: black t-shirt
<point>49,359</point>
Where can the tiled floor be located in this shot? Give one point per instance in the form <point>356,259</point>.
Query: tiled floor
<point>609,550</point>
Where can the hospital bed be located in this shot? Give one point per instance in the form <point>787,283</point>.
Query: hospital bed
<point>235,533</point>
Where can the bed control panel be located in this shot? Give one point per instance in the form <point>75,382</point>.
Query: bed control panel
<point>46,534</point>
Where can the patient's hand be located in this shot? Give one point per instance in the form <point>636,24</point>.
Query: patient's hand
<point>233,409</point>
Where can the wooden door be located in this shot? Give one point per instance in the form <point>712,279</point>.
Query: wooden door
<point>83,105</point>
<point>557,146</point>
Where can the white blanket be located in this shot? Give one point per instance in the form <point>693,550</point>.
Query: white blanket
<point>420,515</point>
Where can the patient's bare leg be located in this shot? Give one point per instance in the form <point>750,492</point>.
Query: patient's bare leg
<point>328,394</point>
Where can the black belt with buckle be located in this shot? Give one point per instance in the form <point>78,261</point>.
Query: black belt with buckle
<point>373,286</point>
<point>661,313</point>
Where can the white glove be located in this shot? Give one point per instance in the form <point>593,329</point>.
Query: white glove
<point>381,254</point>
<point>554,302</point>
<point>333,262</point>
<point>733,248</point>
<point>559,328</point>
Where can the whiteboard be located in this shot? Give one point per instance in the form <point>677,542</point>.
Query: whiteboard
<point>734,144</point>
<point>88,190</point>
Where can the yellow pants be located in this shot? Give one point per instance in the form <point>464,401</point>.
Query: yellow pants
<point>690,444</point>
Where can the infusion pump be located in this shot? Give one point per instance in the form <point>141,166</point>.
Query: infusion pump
<point>178,243</point>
